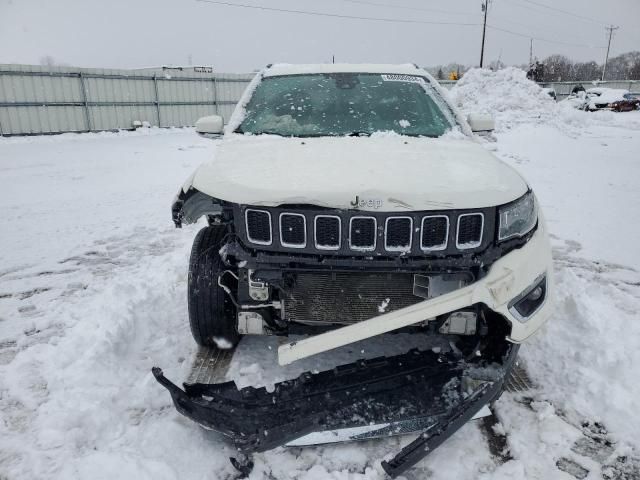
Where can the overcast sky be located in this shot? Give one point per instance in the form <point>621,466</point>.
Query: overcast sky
<point>138,33</point>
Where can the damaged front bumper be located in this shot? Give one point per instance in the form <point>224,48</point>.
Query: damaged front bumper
<point>510,282</point>
<point>423,392</point>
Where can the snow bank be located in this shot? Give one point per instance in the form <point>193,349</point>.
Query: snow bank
<point>513,100</point>
<point>507,94</point>
<point>586,359</point>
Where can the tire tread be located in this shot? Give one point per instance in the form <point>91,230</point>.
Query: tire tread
<point>210,313</point>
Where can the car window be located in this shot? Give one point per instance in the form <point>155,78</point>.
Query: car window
<point>346,104</point>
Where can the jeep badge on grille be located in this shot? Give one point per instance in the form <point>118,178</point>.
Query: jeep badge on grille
<point>371,203</point>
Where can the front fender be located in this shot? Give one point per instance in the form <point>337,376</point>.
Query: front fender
<point>188,206</point>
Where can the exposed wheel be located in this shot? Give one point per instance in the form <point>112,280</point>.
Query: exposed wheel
<point>212,315</point>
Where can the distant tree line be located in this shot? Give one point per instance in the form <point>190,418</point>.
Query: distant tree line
<point>559,68</point>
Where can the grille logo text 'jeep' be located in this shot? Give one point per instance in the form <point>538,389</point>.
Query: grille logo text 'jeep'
<point>362,203</point>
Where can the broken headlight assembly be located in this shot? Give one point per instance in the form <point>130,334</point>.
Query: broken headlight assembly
<point>518,218</point>
<point>530,301</point>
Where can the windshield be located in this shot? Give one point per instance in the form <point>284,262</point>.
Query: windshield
<point>342,104</point>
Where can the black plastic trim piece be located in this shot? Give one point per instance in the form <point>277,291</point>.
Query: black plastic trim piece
<point>435,436</point>
<point>414,385</point>
<point>190,206</point>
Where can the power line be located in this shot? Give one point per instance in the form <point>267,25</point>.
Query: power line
<point>541,39</point>
<point>565,12</point>
<point>388,5</point>
<point>336,15</point>
<point>510,21</point>
<point>387,20</point>
<point>405,7</point>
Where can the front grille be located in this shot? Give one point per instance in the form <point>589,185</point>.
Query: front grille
<point>351,232</point>
<point>293,230</point>
<point>435,231</point>
<point>258,226</point>
<point>362,233</point>
<point>328,232</point>
<point>398,234</point>
<point>470,230</point>
<point>344,298</point>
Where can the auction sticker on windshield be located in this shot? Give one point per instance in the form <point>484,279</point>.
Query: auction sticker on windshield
<point>402,78</point>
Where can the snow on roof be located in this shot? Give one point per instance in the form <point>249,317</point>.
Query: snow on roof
<point>289,69</point>
<point>607,95</point>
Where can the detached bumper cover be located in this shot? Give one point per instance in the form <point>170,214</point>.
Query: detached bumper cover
<point>434,394</point>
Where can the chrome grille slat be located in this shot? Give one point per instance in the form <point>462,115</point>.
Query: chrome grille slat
<point>363,233</point>
<point>469,231</point>
<point>293,230</point>
<point>258,225</point>
<point>434,233</point>
<point>327,232</point>
<point>398,234</point>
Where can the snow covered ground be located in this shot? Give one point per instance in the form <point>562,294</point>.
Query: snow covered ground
<point>93,289</point>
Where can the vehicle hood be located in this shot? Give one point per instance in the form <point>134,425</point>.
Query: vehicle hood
<point>386,172</point>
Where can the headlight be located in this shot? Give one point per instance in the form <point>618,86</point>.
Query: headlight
<point>518,218</point>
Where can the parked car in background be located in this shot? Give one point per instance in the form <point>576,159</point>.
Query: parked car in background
<point>601,98</point>
<point>626,104</point>
<point>617,100</point>
<point>577,99</point>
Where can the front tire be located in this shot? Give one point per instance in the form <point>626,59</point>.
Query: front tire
<point>212,315</point>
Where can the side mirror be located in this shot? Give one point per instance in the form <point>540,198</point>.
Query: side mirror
<point>481,123</point>
<point>211,126</point>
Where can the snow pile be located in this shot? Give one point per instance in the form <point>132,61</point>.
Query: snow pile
<point>507,94</point>
<point>512,100</point>
<point>586,359</point>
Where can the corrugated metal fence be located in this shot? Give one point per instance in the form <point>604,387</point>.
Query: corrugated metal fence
<point>41,100</point>
<point>563,89</point>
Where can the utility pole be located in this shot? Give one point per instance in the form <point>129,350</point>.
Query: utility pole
<point>611,28</point>
<point>531,53</point>
<point>485,7</point>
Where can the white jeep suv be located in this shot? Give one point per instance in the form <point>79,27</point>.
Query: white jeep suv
<point>346,202</point>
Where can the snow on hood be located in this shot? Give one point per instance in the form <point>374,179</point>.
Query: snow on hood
<point>400,172</point>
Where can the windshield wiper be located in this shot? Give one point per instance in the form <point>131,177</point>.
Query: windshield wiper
<point>268,132</point>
